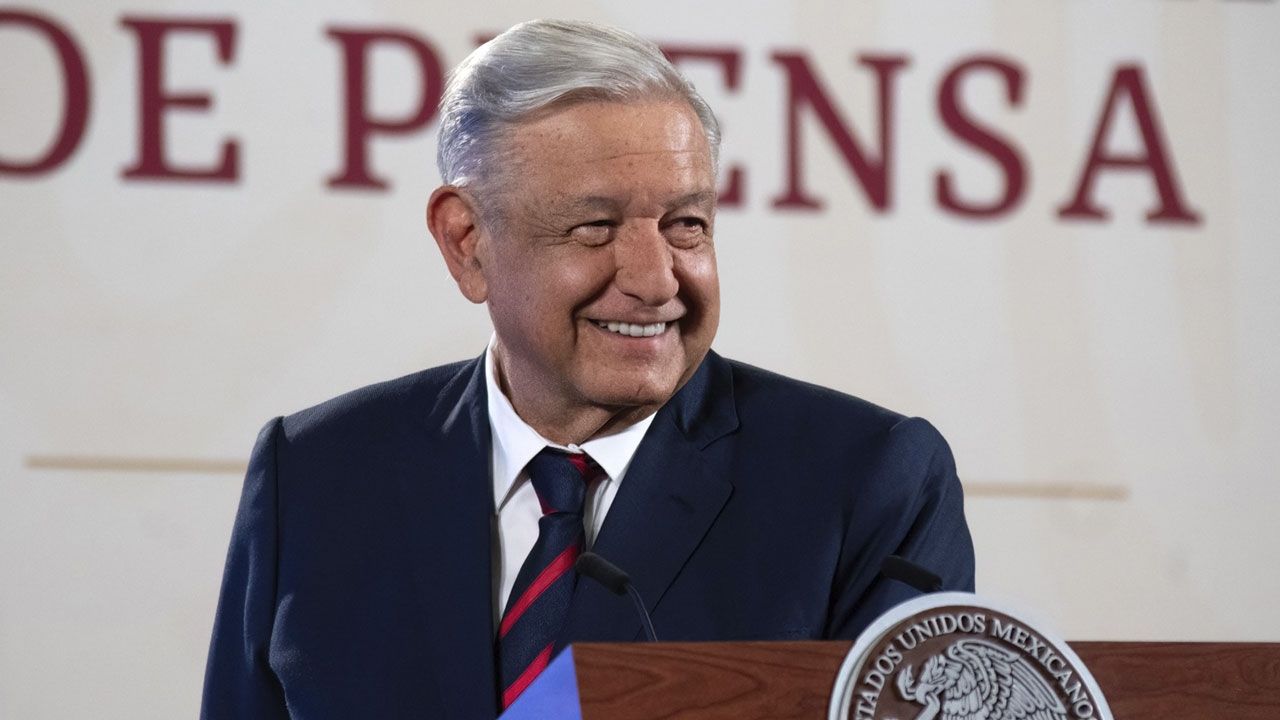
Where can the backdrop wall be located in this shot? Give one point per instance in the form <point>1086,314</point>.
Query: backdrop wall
<point>1047,227</point>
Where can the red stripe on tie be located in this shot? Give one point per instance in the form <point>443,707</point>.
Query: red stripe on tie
<point>527,677</point>
<point>588,468</point>
<point>545,579</point>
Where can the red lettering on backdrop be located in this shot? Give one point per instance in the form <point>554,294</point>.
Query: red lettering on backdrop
<point>1128,83</point>
<point>733,194</point>
<point>154,102</point>
<point>803,88</point>
<point>75,97</point>
<point>360,125</point>
<point>981,138</point>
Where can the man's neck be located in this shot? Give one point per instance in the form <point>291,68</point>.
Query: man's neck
<point>562,421</point>
<point>573,425</point>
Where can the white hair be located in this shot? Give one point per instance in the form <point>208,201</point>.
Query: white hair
<point>541,64</point>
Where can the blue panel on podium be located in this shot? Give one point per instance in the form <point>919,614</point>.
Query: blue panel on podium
<point>553,695</point>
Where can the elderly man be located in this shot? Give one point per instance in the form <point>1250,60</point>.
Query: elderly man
<point>407,550</point>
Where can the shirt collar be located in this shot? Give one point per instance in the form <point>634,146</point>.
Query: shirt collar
<point>515,442</point>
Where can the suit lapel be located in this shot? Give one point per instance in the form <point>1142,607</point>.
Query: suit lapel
<point>455,583</point>
<point>668,500</point>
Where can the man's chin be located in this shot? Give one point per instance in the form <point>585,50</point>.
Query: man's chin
<point>626,401</point>
<point>623,392</point>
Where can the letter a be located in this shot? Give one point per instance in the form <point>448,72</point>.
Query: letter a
<point>1128,83</point>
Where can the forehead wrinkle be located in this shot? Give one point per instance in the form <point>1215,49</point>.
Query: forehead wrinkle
<point>588,204</point>
<point>574,207</point>
<point>646,153</point>
<point>556,212</point>
<point>697,197</point>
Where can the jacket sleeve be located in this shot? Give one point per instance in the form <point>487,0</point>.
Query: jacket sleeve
<point>916,511</point>
<point>239,682</point>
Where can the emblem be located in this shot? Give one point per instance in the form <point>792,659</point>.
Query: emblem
<point>954,656</point>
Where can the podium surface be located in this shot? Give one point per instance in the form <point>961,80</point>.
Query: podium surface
<point>784,680</point>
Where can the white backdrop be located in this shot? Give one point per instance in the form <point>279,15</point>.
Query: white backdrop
<point>1109,386</point>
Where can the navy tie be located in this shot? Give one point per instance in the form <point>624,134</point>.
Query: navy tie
<point>540,598</point>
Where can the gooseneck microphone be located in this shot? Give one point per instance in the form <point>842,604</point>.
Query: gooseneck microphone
<point>617,582</point>
<point>903,570</point>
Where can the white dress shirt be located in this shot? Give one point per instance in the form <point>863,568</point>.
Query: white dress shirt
<point>515,502</point>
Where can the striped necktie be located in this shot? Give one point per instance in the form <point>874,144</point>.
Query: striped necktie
<point>540,598</point>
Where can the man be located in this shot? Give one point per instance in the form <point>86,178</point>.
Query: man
<point>406,550</point>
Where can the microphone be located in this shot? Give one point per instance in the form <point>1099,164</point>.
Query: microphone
<point>899,568</point>
<point>616,581</point>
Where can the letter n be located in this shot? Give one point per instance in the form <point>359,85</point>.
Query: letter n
<point>805,90</point>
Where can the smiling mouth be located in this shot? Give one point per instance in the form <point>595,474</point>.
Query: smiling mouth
<point>631,329</point>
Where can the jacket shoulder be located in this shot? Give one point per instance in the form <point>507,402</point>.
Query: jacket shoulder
<point>355,413</point>
<point>799,402</point>
<point>784,412</point>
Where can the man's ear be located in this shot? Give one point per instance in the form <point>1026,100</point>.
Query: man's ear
<point>454,221</point>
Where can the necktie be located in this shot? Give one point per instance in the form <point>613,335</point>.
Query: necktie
<point>540,597</point>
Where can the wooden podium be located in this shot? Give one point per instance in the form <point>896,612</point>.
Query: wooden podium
<point>783,680</point>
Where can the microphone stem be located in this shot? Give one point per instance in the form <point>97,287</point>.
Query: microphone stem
<point>644,614</point>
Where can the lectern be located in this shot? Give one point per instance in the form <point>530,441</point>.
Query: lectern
<point>784,680</point>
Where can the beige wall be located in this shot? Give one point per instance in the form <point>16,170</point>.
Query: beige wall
<point>1128,364</point>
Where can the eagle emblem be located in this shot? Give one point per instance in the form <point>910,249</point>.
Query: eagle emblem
<point>977,680</point>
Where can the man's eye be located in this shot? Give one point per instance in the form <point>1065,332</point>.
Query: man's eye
<point>686,230</point>
<point>593,233</point>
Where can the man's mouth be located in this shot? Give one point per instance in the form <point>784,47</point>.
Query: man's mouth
<point>631,329</point>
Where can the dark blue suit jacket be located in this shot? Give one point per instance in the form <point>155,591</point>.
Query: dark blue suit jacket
<point>358,582</point>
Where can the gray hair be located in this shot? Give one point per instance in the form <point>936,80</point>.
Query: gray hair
<point>542,64</point>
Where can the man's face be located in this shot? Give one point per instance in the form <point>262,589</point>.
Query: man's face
<point>600,272</point>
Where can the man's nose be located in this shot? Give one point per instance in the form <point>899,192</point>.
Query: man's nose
<point>646,265</point>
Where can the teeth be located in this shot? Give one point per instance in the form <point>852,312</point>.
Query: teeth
<point>632,329</point>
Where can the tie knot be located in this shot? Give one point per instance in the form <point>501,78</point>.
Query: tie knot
<point>560,479</point>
